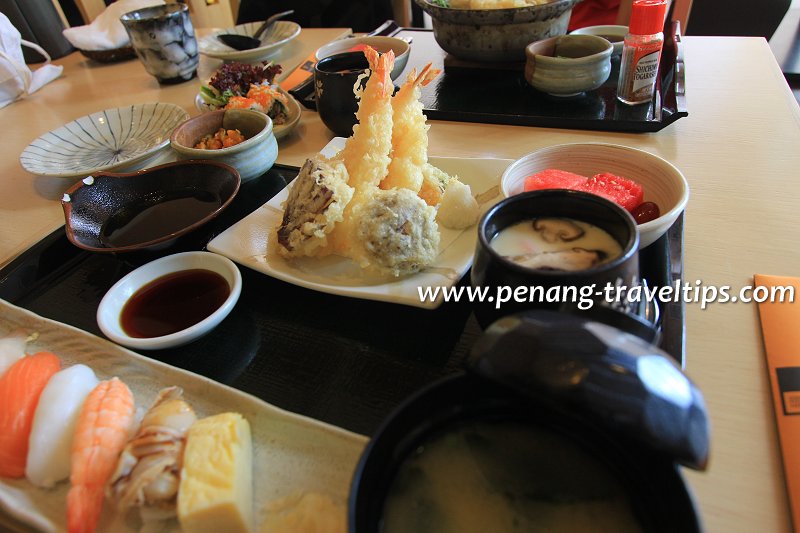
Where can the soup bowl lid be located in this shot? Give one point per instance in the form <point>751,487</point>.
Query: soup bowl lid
<point>613,378</point>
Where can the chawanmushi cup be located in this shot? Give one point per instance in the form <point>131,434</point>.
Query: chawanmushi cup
<point>502,276</point>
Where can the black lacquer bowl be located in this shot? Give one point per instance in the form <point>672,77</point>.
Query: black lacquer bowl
<point>149,209</point>
<point>624,404</point>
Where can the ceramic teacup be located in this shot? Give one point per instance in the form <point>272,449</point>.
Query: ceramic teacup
<point>163,38</point>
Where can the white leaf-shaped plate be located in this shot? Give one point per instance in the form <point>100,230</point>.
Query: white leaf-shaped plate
<point>292,453</point>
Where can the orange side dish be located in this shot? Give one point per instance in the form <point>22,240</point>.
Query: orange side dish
<point>221,138</point>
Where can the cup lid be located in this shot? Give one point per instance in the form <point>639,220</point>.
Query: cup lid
<point>598,372</point>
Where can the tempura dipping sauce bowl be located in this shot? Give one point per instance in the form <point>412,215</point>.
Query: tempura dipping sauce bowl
<point>184,296</point>
<point>507,279</point>
<point>558,424</point>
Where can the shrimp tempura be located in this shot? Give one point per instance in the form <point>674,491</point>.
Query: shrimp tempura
<point>366,152</point>
<point>409,133</point>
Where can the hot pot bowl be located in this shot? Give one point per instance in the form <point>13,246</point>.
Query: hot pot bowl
<point>605,427</point>
<point>502,276</point>
<point>496,35</point>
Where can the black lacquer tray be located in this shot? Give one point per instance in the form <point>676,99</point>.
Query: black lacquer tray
<point>499,94</point>
<point>344,361</point>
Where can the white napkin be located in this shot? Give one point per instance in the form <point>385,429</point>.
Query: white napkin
<point>106,32</point>
<point>16,79</point>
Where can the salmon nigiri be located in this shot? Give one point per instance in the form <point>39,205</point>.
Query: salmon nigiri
<point>100,435</point>
<point>20,389</point>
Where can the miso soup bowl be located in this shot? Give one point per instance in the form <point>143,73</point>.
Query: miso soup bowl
<point>560,379</point>
<point>509,282</point>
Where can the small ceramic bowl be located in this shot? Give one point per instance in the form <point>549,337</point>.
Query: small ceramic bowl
<point>112,318</point>
<point>496,35</point>
<point>568,65</point>
<point>612,33</point>
<point>402,50</point>
<point>149,209</point>
<point>663,183</point>
<point>251,158</point>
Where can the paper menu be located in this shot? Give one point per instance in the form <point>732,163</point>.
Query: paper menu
<point>780,325</point>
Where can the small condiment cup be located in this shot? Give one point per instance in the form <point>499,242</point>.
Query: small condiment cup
<point>109,312</point>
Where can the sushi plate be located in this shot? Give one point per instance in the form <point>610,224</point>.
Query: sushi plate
<point>247,243</point>
<point>292,454</point>
<point>280,130</point>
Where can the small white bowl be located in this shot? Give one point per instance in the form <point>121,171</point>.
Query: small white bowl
<point>663,183</point>
<point>613,33</point>
<point>380,43</point>
<point>110,309</point>
<point>275,38</point>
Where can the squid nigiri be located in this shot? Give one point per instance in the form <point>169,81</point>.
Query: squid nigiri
<point>20,389</point>
<point>50,442</point>
<point>148,471</point>
<point>12,348</point>
<point>100,435</point>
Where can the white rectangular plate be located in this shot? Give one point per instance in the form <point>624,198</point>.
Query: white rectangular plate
<point>291,453</point>
<point>247,243</point>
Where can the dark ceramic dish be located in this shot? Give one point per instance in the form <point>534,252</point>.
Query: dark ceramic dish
<point>490,269</point>
<point>334,78</point>
<point>148,209</point>
<point>593,386</point>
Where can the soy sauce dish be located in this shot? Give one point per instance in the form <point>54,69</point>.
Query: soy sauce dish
<point>171,301</point>
<point>557,424</point>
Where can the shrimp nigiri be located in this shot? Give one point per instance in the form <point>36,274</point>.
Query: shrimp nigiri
<point>100,435</point>
<point>20,389</point>
<point>50,442</point>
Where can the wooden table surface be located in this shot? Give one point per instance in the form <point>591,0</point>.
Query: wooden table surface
<point>739,148</point>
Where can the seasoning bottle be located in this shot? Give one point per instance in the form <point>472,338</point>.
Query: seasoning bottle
<point>641,52</point>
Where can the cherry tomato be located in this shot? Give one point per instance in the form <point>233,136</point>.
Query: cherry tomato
<point>645,212</point>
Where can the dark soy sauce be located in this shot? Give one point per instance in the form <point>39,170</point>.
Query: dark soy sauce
<point>173,302</point>
<point>151,219</point>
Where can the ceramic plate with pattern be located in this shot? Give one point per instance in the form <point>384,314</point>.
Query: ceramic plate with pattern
<point>275,37</point>
<point>125,138</point>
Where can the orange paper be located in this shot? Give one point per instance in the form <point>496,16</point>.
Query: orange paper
<point>301,73</point>
<point>780,325</point>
